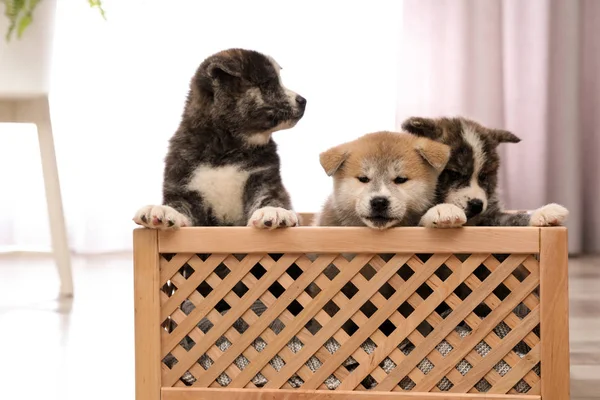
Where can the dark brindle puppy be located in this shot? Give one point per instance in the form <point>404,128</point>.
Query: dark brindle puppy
<point>466,189</point>
<point>222,166</point>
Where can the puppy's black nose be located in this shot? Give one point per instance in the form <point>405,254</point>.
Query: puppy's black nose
<point>474,207</point>
<point>301,101</point>
<point>379,204</point>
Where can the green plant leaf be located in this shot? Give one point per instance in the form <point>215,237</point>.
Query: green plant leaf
<point>20,14</point>
<point>27,18</point>
<point>10,30</point>
<point>23,24</point>
<point>12,8</point>
<point>97,4</point>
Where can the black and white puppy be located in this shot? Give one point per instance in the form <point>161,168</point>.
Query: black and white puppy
<point>222,166</point>
<point>467,188</point>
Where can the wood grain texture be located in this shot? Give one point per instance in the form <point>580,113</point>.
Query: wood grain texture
<point>306,219</point>
<point>208,304</point>
<point>382,276</point>
<point>270,314</point>
<point>515,374</point>
<point>363,240</point>
<point>495,355</point>
<point>147,313</point>
<point>282,394</point>
<point>550,243</point>
<point>554,314</point>
<point>478,295</point>
<point>479,334</point>
<point>351,269</point>
<point>402,294</point>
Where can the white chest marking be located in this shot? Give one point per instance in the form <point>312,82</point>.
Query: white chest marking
<point>222,188</point>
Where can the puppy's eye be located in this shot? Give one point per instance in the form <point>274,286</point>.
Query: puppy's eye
<point>453,175</point>
<point>400,180</point>
<point>363,179</point>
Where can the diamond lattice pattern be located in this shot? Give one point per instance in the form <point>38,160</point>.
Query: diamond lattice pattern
<point>385,322</point>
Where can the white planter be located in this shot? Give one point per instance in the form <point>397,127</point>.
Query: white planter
<point>25,63</point>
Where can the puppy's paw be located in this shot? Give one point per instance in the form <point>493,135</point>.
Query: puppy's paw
<point>273,217</point>
<point>444,216</point>
<point>160,217</point>
<point>549,215</point>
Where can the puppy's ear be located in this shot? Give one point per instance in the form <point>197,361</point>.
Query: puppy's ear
<point>435,153</point>
<point>425,127</point>
<point>332,159</point>
<point>502,136</point>
<point>223,68</point>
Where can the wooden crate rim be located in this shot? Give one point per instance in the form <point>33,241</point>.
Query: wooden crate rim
<point>362,228</point>
<point>352,239</point>
<point>287,394</point>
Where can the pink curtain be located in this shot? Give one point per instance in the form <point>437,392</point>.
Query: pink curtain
<point>532,67</point>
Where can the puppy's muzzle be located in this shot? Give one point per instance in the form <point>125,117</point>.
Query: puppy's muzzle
<point>379,206</point>
<point>474,207</point>
<point>301,101</point>
<point>379,215</point>
<point>300,104</point>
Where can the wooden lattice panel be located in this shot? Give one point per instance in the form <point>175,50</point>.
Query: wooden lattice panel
<point>382,322</point>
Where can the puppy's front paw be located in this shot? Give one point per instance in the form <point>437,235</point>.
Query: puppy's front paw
<point>549,215</point>
<point>273,217</point>
<point>444,216</point>
<point>160,217</point>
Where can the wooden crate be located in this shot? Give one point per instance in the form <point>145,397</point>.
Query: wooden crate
<point>319,312</point>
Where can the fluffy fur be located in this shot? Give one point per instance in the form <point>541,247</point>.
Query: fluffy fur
<point>381,180</point>
<point>222,166</point>
<point>467,188</point>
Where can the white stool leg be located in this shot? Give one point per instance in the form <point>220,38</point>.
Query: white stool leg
<point>60,245</point>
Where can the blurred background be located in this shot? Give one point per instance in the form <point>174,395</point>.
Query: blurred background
<point>116,92</point>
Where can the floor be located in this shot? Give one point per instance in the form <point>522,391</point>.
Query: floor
<point>80,349</point>
<point>83,349</point>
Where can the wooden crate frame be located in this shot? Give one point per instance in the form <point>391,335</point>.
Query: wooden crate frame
<point>531,263</point>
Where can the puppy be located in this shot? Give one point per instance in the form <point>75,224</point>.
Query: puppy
<point>381,180</point>
<point>222,166</point>
<point>467,188</point>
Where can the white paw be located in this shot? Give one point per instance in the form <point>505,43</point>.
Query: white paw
<point>444,216</point>
<point>273,217</point>
<point>160,217</point>
<point>549,215</point>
